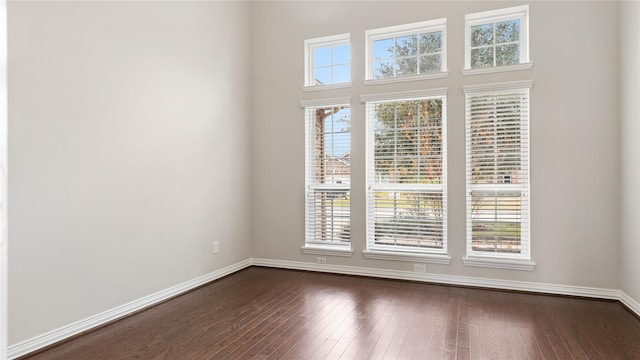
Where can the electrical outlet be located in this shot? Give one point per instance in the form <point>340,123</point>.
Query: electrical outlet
<point>215,247</point>
<point>420,268</point>
<point>321,260</point>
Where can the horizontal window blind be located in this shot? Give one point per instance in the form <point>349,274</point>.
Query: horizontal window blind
<point>497,173</point>
<point>328,175</point>
<point>406,175</point>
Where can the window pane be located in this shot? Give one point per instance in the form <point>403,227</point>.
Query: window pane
<point>331,216</point>
<point>507,54</point>
<point>383,69</point>
<point>407,67</point>
<point>431,42</point>
<point>482,35</point>
<point>407,46</point>
<point>341,73</point>
<point>404,218</point>
<point>496,221</point>
<point>481,58</point>
<point>322,57</point>
<point>430,64</point>
<point>342,55</point>
<point>508,31</point>
<point>383,49</point>
<point>323,76</point>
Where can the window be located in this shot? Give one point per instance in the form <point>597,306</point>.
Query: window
<point>406,173</point>
<point>497,159</point>
<point>328,175</point>
<point>328,61</point>
<point>497,38</point>
<point>414,51</point>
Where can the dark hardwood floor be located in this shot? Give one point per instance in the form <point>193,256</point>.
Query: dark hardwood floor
<point>262,313</point>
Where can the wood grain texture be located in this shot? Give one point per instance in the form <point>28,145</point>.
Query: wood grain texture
<point>262,313</point>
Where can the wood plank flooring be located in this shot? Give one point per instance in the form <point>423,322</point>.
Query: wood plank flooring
<point>262,313</point>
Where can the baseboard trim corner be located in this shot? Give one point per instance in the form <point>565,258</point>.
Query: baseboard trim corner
<point>630,303</point>
<point>36,343</point>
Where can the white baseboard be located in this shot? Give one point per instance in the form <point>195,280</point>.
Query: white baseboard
<point>446,279</point>
<point>630,303</point>
<point>38,342</point>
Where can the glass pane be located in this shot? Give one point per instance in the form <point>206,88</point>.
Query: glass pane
<point>331,214</point>
<point>430,64</point>
<point>481,58</point>
<point>407,46</point>
<point>383,69</point>
<point>341,73</point>
<point>507,54</point>
<point>482,35</point>
<point>496,221</point>
<point>407,67</point>
<point>342,54</point>
<point>431,42</point>
<point>406,218</point>
<point>322,57</point>
<point>508,31</point>
<point>383,49</point>
<point>323,76</point>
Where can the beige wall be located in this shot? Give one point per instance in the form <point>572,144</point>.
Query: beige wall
<point>129,152</point>
<point>630,148</point>
<point>574,131</point>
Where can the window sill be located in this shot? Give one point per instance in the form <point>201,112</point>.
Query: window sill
<point>327,250</point>
<point>439,75</point>
<point>491,70</point>
<point>407,256</point>
<point>309,88</point>
<point>495,263</point>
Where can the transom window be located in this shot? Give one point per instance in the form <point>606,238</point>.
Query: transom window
<point>406,174</point>
<point>497,38</point>
<point>328,60</point>
<point>407,50</point>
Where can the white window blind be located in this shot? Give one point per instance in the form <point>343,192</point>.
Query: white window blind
<point>328,175</point>
<point>497,159</point>
<point>406,175</point>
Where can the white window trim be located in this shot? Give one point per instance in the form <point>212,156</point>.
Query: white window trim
<point>313,247</point>
<point>404,30</point>
<point>309,46</point>
<point>493,260</point>
<point>493,16</point>
<point>408,254</point>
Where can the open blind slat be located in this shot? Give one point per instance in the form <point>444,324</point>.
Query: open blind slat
<point>497,173</point>
<point>328,175</point>
<point>406,175</point>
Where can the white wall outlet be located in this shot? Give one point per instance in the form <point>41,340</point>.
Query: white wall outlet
<point>420,268</point>
<point>321,260</point>
<point>215,247</point>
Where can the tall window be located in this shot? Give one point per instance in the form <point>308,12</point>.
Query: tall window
<point>406,174</point>
<point>328,175</point>
<point>410,50</point>
<point>497,153</point>
<point>497,38</point>
<point>327,61</point>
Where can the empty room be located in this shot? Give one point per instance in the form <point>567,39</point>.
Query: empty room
<point>320,180</point>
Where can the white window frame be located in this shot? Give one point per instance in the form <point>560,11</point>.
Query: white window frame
<point>323,42</point>
<point>523,260</point>
<point>491,17</point>
<point>399,31</point>
<point>373,251</point>
<point>311,245</point>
